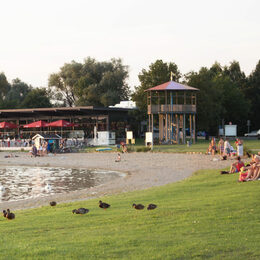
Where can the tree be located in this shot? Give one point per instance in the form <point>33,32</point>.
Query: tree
<point>208,98</point>
<point>220,96</point>
<point>36,98</point>
<point>91,83</point>
<point>4,88</point>
<point>252,93</point>
<point>16,94</point>
<point>235,74</point>
<point>62,84</point>
<point>159,72</point>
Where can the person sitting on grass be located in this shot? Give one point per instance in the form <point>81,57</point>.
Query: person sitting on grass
<point>254,170</point>
<point>251,172</point>
<point>210,149</point>
<point>236,166</point>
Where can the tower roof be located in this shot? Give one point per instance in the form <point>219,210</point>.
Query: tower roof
<point>172,85</point>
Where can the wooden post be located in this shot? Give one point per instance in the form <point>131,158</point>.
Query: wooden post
<point>184,128</point>
<point>194,128</point>
<point>178,129</point>
<point>191,132</point>
<point>107,122</point>
<point>166,127</point>
<point>152,129</point>
<point>149,127</point>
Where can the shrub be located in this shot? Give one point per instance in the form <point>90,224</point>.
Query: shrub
<point>143,149</point>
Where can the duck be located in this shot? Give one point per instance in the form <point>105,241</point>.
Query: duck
<point>103,205</point>
<point>10,215</point>
<point>80,211</point>
<point>47,187</point>
<point>2,188</point>
<point>4,213</point>
<point>138,206</point>
<point>151,206</point>
<point>53,203</point>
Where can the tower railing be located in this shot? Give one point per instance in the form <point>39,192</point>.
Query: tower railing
<point>154,109</point>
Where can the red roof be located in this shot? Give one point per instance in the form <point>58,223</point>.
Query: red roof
<point>36,124</point>
<point>172,85</point>
<point>7,125</point>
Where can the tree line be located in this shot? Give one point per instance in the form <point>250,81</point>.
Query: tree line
<point>226,93</point>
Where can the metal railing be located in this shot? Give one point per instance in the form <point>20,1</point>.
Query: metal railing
<point>153,109</point>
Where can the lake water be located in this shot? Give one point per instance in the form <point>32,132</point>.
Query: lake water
<point>17,183</point>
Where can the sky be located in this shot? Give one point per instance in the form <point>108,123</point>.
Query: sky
<point>38,37</point>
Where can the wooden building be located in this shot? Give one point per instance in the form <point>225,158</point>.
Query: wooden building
<point>174,106</point>
<point>86,118</point>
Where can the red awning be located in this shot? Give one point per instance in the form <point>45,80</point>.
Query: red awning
<point>37,124</point>
<point>61,123</point>
<point>7,125</point>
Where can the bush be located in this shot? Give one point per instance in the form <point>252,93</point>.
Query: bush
<point>143,149</point>
<point>130,149</point>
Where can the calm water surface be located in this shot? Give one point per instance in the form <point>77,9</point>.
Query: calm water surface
<point>18,183</point>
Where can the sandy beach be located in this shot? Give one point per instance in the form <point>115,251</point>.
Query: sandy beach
<point>143,170</point>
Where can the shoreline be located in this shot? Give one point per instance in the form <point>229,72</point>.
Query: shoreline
<point>143,170</point>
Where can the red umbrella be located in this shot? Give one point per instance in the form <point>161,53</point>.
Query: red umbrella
<point>37,124</point>
<point>7,125</point>
<point>61,123</point>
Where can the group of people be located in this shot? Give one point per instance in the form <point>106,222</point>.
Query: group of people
<point>248,172</point>
<point>224,148</point>
<point>251,172</point>
<point>43,149</point>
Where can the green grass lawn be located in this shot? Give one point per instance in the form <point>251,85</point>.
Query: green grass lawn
<point>200,146</point>
<point>206,216</point>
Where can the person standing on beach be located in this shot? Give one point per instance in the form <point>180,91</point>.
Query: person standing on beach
<point>227,148</point>
<point>239,147</point>
<point>221,146</point>
<point>213,146</point>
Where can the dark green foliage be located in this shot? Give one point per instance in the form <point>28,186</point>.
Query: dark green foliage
<point>16,94</point>
<point>37,97</point>
<point>20,95</point>
<point>4,87</point>
<point>143,149</point>
<point>91,83</point>
<point>252,93</point>
<point>159,72</point>
<point>220,96</point>
<point>225,93</point>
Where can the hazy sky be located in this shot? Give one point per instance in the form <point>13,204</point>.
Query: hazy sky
<point>38,37</point>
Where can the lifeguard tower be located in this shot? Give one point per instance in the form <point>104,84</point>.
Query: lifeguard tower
<point>175,105</point>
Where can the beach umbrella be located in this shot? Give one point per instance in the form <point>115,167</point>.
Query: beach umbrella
<point>6,125</point>
<point>37,124</point>
<point>61,123</point>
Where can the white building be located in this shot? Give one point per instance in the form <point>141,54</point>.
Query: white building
<point>125,104</point>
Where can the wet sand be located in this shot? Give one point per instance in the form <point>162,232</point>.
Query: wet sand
<point>143,170</point>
